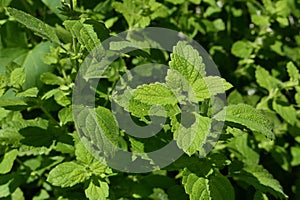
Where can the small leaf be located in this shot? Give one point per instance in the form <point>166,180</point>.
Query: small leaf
<point>51,79</point>
<point>260,196</point>
<point>265,80</point>
<point>242,49</point>
<point>97,190</point>
<point>287,112</point>
<point>17,77</point>
<point>8,160</point>
<point>295,151</point>
<point>196,187</point>
<point>34,24</point>
<point>240,148</point>
<point>65,115</point>
<point>84,33</point>
<point>247,116</point>
<point>31,92</point>
<point>293,73</point>
<point>67,174</point>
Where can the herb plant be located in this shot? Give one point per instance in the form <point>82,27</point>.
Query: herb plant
<point>245,147</point>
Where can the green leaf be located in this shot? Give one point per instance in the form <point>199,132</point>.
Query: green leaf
<point>65,115</point>
<point>139,13</point>
<point>295,151</point>
<point>191,139</point>
<point>42,195</point>
<point>84,33</point>
<point>287,112</point>
<point>62,98</point>
<point>265,80</point>
<point>216,186</point>
<point>36,25</point>
<point>99,126</point>
<point>235,98</point>
<point>187,61</point>
<point>51,79</point>
<point>240,148</point>
<point>11,55</point>
<point>17,77</point>
<point>154,94</point>
<point>13,35</point>
<point>282,157</point>
<point>242,49</point>
<point>209,86</point>
<point>82,154</point>
<point>67,174</point>
<point>176,1</point>
<point>219,24</point>
<point>31,92</point>
<point>53,6</point>
<point>159,194</point>
<point>34,65</point>
<point>10,99</point>
<point>97,190</point>
<point>17,195</point>
<point>3,113</point>
<point>4,3</point>
<point>260,196</point>
<point>260,20</point>
<point>293,73</point>
<point>261,179</point>
<point>7,161</point>
<point>247,116</point>
<point>196,187</point>
<point>220,187</point>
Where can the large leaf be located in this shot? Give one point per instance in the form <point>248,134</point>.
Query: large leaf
<point>98,127</point>
<point>187,61</point>
<point>205,88</point>
<point>34,65</point>
<point>154,94</point>
<point>258,177</point>
<point>67,174</point>
<point>192,138</point>
<point>215,187</point>
<point>247,116</point>
<point>36,25</point>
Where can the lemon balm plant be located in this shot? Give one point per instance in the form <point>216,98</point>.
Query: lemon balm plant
<point>49,153</point>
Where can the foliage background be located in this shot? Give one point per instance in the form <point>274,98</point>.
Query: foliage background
<point>255,44</point>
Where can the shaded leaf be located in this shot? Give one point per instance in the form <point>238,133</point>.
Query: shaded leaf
<point>247,116</point>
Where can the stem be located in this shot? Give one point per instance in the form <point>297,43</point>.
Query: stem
<point>48,114</point>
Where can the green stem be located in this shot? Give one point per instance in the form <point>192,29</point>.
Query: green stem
<point>48,114</point>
